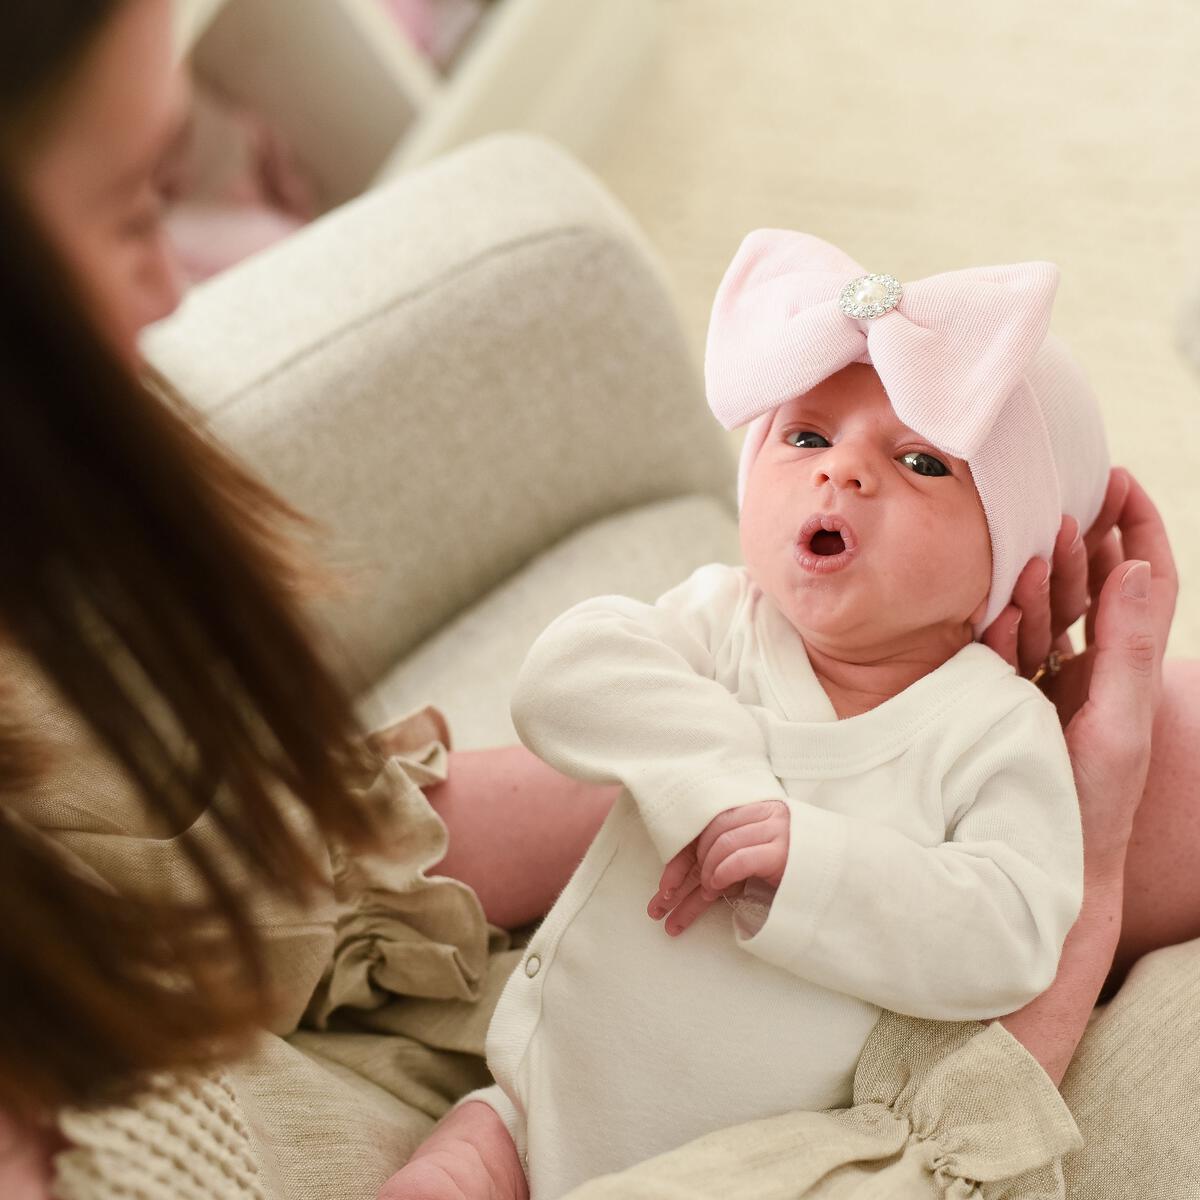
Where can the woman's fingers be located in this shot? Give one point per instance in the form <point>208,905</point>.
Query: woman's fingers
<point>1105,557</point>
<point>1109,737</point>
<point>1047,599</point>
<point>1032,596</point>
<point>1069,598</point>
<point>1110,509</point>
<point>1002,634</point>
<point>1127,648</point>
<point>1144,536</point>
<point>1139,533</point>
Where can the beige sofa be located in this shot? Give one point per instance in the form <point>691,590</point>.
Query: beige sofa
<point>475,379</point>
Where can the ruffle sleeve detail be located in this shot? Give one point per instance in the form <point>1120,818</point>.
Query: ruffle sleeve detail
<point>401,931</point>
<point>983,1118</point>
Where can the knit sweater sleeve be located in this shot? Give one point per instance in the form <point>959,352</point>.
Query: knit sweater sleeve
<point>964,930</point>
<point>618,691</point>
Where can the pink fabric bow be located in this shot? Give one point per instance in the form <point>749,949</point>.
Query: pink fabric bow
<point>948,354</point>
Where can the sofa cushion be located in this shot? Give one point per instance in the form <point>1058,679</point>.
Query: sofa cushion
<point>468,668</point>
<point>450,375</point>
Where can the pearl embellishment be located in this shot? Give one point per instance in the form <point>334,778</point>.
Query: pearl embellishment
<point>870,296</point>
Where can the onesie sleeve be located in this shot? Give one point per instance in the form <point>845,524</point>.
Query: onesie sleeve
<point>618,691</point>
<point>965,930</point>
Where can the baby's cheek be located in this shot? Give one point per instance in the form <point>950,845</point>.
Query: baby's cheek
<point>970,553</point>
<point>755,525</point>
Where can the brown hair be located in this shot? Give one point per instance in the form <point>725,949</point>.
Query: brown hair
<point>148,576</point>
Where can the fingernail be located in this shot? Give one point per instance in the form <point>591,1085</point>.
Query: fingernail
<point>1015,625</point>
<point>1077,540</point>
<point>1043,576</point>
<point>1136,581</point>
<point>668,893</point>
<point>657,911</point>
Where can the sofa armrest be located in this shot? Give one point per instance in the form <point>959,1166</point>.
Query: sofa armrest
<point>450,374</point>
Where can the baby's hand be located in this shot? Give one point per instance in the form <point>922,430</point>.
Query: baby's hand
<point>744,842</point>
<point>739,844</point>
<point>679,892</point>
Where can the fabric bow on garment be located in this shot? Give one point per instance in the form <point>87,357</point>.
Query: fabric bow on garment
<point>966,361</point>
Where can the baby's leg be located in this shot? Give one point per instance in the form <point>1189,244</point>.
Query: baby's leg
<point>469,1156</point>
<point>518,829</point>
<point>1162,879</point>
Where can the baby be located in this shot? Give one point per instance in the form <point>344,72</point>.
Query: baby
<point>820,724</point>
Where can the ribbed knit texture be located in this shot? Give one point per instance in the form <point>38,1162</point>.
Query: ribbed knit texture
<point>183,1138</point>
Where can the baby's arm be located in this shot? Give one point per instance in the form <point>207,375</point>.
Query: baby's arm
<point>616,691</point>
<point>962,930</point>
<point>470,1155</point>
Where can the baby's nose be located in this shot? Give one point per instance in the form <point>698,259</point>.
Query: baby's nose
<point>846,467</point>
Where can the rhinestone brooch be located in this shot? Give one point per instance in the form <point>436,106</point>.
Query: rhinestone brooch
<point>870,296</point>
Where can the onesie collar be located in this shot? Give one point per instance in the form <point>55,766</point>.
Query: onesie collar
<point>848,743</point>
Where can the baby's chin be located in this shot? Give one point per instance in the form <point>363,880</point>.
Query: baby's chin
<point>846,633</point>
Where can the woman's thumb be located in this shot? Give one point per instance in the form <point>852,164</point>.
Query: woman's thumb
<point>1125,676</point>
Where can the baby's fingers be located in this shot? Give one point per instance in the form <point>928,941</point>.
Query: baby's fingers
<point>680,877</point>
<point>676,872</point>
<point>730,841</point>
<point>686,912</point>
<point>765,861</point>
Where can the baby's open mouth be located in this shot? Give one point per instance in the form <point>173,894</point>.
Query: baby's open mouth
<point>827,541</point>
<point>825,536</point>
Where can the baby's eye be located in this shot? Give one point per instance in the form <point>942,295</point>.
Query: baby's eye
<point>804,439</point>
<point>924,464</point>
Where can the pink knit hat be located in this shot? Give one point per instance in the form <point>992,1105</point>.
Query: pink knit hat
<point>965,359</point>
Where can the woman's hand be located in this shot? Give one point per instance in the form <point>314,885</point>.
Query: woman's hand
<point>1049,598</point>
<point>1108,693</point>
<point>1107,698</point>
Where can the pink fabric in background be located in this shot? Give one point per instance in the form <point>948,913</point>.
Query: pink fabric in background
<point>966,361</point>
<point>237,189</point>
<point>437,28</point>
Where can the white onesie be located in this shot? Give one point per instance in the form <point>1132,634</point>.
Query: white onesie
<point>935,867</point>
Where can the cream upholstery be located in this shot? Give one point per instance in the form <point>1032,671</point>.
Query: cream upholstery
<point>454,374</point>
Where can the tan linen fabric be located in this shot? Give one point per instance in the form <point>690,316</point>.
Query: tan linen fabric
<point>1133,1085</point>
<point>335,1109</point>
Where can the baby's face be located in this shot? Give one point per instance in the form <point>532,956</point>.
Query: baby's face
<point>909,561</point>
